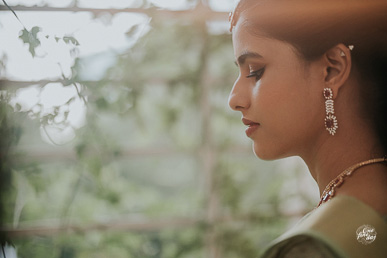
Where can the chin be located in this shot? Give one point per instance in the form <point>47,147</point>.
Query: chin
<point>268,153</point>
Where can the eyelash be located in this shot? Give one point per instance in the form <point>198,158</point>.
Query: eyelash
<point>257,74</point>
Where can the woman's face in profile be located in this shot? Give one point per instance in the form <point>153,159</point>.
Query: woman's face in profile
<point>277,92</point>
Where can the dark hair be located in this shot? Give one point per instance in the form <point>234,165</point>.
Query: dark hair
<point>313,27</point>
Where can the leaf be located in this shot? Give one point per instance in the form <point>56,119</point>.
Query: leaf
<point>66,115</point>
<point>70,100</point>
<point>102,103</point>
<point>132,30</point>
<point>70,39</point>
<point>67,82</point>
<point>35,30</point>
<point>31,38</point>
<point>18,107</point>
<point>81,149</point>
<point>74,52</point>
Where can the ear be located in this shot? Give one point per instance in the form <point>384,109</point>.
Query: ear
<point>337,67</point>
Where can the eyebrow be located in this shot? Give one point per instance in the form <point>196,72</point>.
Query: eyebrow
<point>242,58</point>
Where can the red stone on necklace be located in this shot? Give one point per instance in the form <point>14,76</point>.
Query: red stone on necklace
<point>330,190</point>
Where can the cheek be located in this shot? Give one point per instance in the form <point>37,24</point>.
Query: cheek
<point>289,96</point>
<point>279,100</point>
<point>287,116</point>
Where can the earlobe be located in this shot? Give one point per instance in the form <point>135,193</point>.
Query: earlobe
<point>337,67</point>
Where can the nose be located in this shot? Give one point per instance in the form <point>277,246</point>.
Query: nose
<point>239,98</point>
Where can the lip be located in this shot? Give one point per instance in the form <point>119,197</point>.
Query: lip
<point>252,126</point>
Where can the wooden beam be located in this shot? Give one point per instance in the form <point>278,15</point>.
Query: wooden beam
<point>141,225</point>
<point>201,12</point>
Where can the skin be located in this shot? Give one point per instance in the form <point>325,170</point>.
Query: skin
<point>288,104</point>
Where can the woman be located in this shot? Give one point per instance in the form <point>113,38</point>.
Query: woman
<point>313,83</point>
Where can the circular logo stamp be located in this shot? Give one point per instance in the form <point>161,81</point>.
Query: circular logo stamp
<point>366,234</point>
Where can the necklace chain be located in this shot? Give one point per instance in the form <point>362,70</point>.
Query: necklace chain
<point>330,190</point>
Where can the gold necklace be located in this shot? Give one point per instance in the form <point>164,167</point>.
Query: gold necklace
<point>330,190</point>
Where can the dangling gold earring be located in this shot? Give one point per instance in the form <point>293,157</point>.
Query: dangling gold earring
<point>330,118</point>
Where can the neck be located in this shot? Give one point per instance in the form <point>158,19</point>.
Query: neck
<point>333,154</point>
<point>355,141</point>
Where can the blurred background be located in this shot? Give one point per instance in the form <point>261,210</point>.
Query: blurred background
<point>117,139</point>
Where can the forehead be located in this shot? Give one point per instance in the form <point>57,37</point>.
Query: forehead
<point>248,38</point>
<point>245,23</point>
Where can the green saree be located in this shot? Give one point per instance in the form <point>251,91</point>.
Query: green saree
<point>335,229</point>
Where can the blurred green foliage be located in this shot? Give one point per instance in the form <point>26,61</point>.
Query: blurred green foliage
<point>139,158</point>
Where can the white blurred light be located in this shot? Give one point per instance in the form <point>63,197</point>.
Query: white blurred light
<point>98,37</point>
<point>171,4</point>
<point>27,98</point>
<point>108,4</point>
<point>222,5</point>
<point>43,101</point>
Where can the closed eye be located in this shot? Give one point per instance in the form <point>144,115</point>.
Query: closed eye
<point>257,74</point>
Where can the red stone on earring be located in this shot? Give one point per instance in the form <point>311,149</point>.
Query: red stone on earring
<point>329,123</point>
<point>330,119</point>
<point>327,93</point>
